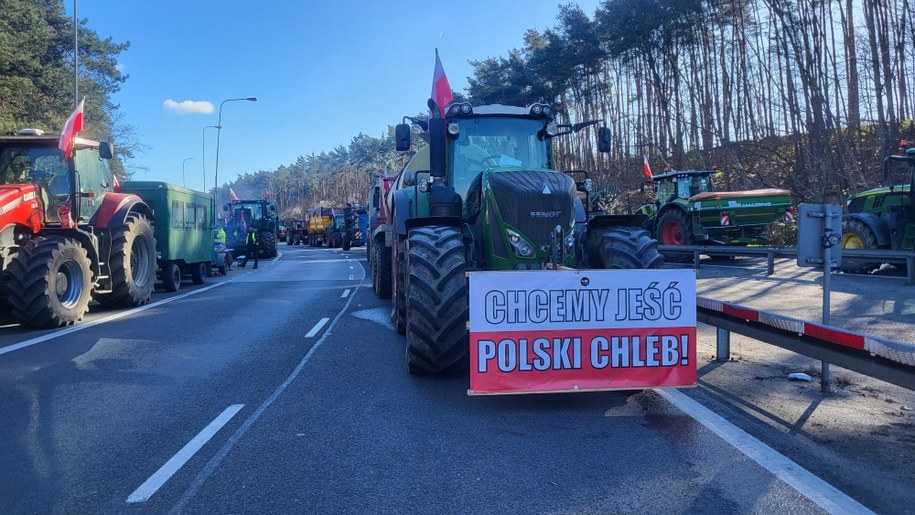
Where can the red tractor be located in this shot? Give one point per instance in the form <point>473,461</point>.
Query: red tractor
<point>66,234</point>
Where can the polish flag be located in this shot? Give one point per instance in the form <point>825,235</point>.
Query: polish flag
<point>232,195</point>
<point>646,170</point>
<point>71,129</point>
<point>441,90</point>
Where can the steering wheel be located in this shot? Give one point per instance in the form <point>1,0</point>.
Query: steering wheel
<point>496,158</point>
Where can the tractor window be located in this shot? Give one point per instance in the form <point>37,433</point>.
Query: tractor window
<point>496,142</point>
<point>177,215</point>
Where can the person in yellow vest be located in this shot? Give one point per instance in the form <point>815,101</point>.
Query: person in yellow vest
<point>251,247</point>
<point>219,238</point>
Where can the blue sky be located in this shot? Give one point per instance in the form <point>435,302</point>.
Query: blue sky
<point>322,71</point>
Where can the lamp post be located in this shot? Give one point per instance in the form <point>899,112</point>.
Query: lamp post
<point>183,180</point>
<point>203,153</point>
<point>218,133</point>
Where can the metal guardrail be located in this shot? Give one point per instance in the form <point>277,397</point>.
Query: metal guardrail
<point>886,360</point>
<point>896,257</point>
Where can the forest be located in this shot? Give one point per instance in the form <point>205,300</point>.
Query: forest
<point>806,95</point>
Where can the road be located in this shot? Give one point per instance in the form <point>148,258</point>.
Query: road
<point>283,390</point>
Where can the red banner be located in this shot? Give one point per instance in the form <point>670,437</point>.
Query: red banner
<point>539,332</point>
<point>586,360</point>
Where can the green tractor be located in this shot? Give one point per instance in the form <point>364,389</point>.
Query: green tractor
<point>484,194</point>
<point>881,218</point>
<point>260,214</point>
<point>688,211</point>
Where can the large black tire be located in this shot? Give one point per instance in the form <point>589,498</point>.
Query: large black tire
<point>398,292</point>
<point>171,276</point>
<point>675,227</point>
<point>437,301</point>
<point>381,270</point>
<point>132,263</point>
<point>857,235</point>
<point>199,272</point>
<point>50,282</point>
<point>266,244</point>
<point>624,248</point>
<point>347,243</point>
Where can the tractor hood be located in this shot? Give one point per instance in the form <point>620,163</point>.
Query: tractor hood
<point>12,195</point>
<point>534,202</point>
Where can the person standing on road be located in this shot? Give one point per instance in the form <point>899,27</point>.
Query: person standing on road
<point>251,247</point>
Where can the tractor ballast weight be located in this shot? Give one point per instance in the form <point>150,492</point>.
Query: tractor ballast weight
<point>260,214</point>
<point>484,194</point>
<point>66,234</point>
<point>881,218</point>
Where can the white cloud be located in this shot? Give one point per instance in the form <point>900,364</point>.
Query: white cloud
<point>189,106</point>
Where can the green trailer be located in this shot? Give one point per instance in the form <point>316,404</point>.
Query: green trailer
<point>184,236</point>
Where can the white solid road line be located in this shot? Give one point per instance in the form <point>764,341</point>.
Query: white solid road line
<point>155,481</point>
<point>317,327</point>
<point>807,484</point>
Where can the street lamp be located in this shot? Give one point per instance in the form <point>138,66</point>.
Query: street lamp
<point>218,133</point>
<point>204,155</point>
<point>183,181</point>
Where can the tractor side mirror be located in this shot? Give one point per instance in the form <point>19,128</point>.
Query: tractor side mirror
<point>225,207</point>
<point>402,137</point>
<point>604,140</point>
<point>105,150</point>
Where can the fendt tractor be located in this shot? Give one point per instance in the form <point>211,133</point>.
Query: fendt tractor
<point>260,214</point>
<point>484,194</point>
<point>67,234</point>
<point>378,253</point>
<point>319,219</point>
<point>882,218</point>
<point>688,211</point>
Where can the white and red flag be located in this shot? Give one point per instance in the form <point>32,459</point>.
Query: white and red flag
<point>71,129</point>
<point>441,90</point>
<point>646,170</point>
<point>232,195</point>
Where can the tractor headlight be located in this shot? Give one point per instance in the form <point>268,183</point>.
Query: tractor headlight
<point>424,185</point>
<point>588,185</point>
<point>453,129</point>
<point>521,247</point>
<point>552,129</point>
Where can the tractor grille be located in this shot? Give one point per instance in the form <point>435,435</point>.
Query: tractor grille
<point>535,202</point>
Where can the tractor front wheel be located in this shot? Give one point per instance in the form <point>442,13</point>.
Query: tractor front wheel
<point>132,263</point>
<point>858,236</point>
<point>623,248</point>
<point>674,227</point>
<point>436,301</point>
<point>50,282</point>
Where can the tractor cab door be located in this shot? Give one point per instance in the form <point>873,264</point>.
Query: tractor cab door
<point>94,181</point>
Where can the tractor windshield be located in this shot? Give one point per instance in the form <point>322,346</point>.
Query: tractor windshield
<point>693,185</point>
<point>496,142</point>
<point>20,164</point>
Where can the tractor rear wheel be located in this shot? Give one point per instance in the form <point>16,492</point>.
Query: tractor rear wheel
<point>381,271</point>
<point>50,282</point>
<point>171,276</point>
<point>132,263</point>
<point>858,236</point>
<point>398,295</point>
<point>267,243</point>
<point>675,227</point>
<point>623,248</point>
<point>347,243</point>
<point>436,301</point>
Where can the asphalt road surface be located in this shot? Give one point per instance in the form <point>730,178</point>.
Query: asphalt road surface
<point>284,390</point>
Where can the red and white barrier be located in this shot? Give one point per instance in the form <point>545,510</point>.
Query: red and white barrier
<point>900,352</point>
